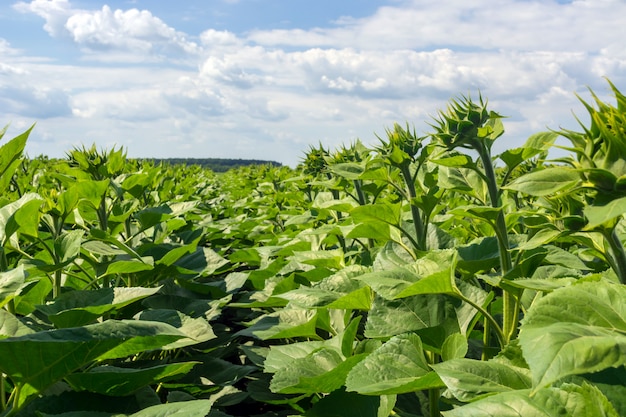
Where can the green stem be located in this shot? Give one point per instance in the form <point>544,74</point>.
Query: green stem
<point>486,315</point>
<point>617,254</point>
<point>359,192</point>
<point>3,400</point>
<point>56,289</point>
<point>509,301</point>
<point>420,232</point>
<point>433,402</point>
<point>485,355</point>
<point>434,393</point>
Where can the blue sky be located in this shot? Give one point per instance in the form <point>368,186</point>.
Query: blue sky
<point>265,79</point>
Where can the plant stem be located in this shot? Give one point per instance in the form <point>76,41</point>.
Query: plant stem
<point>415,211</point>
<point>56,289</point>
<point>434,393</point>
<point>433,402</point>
<point>485,313</point>
<point>3,400</point>
<point>618,255</point>
<point>509,301</point>
<point>485,355</point>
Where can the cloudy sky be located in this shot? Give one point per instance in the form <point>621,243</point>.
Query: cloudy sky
<point>265,79</point>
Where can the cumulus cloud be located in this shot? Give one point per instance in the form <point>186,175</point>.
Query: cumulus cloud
<point>54,12</point>
<point>106,30</point>
<point>132,30</point>
<point>347,79</point>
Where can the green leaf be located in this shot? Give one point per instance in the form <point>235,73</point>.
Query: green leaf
<point>456,160</point>
<point>77,308</point>
<point>284,324</point>
<point>480,255</point>
<point>11,220</point>
<point>11,326</point>
<point>546,181</point>
<point>280,356</point>
<point>321,371</point>
<point>489,214</point>
<point>386,213</point>
<point>197,329</point>
<point>88,191</point>
<point>542,140</point>
<point>469,379</point>
<point>117,382</point>
<point>26,217</point>
<point>431,274</point>
<point>10,283</point>
<point>10,157</point>
<point>441,282</point>
<point>568,400</point>
<point>67,246</point>
<point>597,215</point>
<point>196,408</point>
<point>129,267</point>
<point>454,347</point>
<point>203,261</point>
<point>580,328</point>
<point>378,231</point>
<point>393,317</point>
<point>396,367</point>
<point>348,170</point>
<point>35,361</point>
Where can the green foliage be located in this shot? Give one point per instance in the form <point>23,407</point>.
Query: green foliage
<point>422,277</point>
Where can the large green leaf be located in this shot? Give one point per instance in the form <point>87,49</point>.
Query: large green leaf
<point>10,156</point>
<point>35,361</point>
<point>596,215</point>
<point>284,324</point>
<point>67,246</point>
<point>197,329</point>
<point>568,400</point>
<point>431,274</point>
<point>536,144</point>
<point>280,356</point>
<point>20,216</point>
<point>393,317</point>
<point>10,283</point>
<point>546,181</point>
<point>116,381</point>
<point>77,308</point>
<point>580,328</point>
<point>202,261</point>
<point>468,379</point>
<point>351,296</point>
<point>396,367</point>
<point>11,326</point>
<point>146,263</point>
<point>321,371</point>
<point>386,213</point>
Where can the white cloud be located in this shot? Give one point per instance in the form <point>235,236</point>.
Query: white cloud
<point>132,30</point>
<point>54,12</point>
<point>270,93</point>
<point>120,31</point>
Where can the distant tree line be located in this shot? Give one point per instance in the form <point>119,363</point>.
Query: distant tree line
<point>214,164</point>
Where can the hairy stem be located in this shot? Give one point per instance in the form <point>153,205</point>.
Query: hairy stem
<point>510,303</point>
<point>617,254</point>
<point>420,232</point>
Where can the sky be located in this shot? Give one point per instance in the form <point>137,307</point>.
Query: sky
<point>267,79</point>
